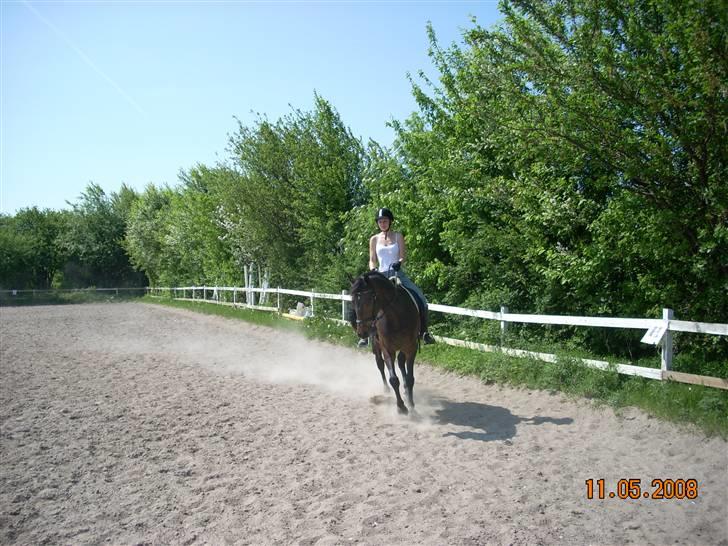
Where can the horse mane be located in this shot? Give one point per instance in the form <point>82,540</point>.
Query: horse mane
<point>365,281</point>
<point>358,284</point>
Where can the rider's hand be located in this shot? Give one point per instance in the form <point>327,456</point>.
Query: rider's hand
<point>396,266</point>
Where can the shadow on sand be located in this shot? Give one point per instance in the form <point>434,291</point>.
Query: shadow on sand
<point>490,422</point>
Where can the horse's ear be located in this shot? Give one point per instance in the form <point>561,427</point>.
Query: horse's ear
<point>350,277</point>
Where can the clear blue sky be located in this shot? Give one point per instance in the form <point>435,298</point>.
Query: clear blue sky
<point>131,92</point>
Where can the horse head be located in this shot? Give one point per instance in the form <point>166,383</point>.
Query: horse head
<point>364,304</point>
<point>370,292</point>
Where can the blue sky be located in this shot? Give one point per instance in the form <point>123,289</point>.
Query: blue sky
<point>131,92</point>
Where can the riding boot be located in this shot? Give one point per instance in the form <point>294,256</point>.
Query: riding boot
<point>424,321</point>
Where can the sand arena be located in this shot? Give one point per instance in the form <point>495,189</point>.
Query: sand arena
<point>139,424</point>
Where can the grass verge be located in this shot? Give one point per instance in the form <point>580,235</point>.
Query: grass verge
<point>704,407</point>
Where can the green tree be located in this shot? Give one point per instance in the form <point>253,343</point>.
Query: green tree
<point>29,252</point>
<point>192,240</point>
<point>624,103</point>
<point>93,238</point>
<point>572,160</point>
<point>144,239</point>
<point>257,213</point>
<point>297,178</point>
<point>546,138</point>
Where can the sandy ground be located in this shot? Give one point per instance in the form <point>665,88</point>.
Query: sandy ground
<point>138,424</point>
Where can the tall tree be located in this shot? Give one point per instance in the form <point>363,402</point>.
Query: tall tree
<point>29,252</point>
<point>192,241</point>
<point>577,153</point>
<point>144,239</point>
<point>93,241</point>
<point>625,103</point>
<point>297,178</point>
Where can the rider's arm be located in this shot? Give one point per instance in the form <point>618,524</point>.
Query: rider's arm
<point>402,249</point>
<point>373,262</point>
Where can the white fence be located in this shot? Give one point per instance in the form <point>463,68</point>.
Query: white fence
<point>53,291</point>
<point>657,331</point>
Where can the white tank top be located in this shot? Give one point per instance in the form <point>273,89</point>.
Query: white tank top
<point>387,255</point>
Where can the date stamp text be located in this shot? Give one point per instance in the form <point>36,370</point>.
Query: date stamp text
<point>632,488</point>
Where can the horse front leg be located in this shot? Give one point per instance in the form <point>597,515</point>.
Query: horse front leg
<point>409,379</point>
<point>394,381</point>
<point>380,364</point>
<point>401,360</point>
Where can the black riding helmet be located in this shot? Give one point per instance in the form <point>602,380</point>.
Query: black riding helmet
<point>385,213</point>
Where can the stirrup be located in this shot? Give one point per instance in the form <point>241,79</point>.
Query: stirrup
<point>363,342</point>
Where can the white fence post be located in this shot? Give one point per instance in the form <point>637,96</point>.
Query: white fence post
<point>503,325</point>
<point>666,352</point>
<point>245,280</point>
<point>278,303</point>
<point>312,302</point>
<point>249,285</point>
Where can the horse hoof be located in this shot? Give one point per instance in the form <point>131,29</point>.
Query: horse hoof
<point>402,410</point>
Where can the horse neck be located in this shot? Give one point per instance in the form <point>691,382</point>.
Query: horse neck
<point>400,320</point>
<point>384,289</point>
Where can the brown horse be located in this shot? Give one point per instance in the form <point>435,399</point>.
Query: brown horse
<point>386,312</point>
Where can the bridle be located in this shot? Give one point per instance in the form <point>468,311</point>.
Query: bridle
<point>378,314</point>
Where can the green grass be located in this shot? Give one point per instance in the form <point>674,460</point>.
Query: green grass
<point>704,407</point>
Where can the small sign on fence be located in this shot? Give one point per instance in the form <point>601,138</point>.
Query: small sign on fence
<point>654,335</point>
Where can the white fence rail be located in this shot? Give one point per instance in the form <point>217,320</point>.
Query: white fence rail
<point>657,331</point>
<point>36,291</point>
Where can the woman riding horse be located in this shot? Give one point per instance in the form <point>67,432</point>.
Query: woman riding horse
<point>387,309</point>
<point>387,252</point>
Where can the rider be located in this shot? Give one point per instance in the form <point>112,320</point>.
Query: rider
<point>387,251</point>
